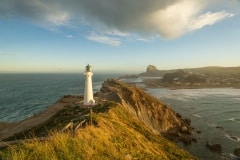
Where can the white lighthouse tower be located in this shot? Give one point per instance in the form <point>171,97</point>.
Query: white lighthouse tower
<point>88,93</point>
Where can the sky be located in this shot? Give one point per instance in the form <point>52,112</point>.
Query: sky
<point>117,36</point>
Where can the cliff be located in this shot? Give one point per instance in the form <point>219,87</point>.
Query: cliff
<point>153,113</point>
<point>126,123</point>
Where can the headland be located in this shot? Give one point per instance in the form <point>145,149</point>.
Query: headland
<point>129,122</point>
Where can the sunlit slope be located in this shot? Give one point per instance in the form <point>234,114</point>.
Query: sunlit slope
<point>127,123</point>
<point>115,134</point>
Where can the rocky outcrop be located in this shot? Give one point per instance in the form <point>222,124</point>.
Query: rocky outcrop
<point>151,68</point>
<point>237,152</point>
<point>214,147</point>
<point>152,71</point>
<point>156,115</point>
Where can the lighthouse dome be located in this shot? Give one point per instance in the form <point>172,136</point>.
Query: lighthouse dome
<point>88,68</point>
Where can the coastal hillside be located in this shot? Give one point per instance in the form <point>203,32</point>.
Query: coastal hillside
<point>153,113</point>
<point>215,71</point>
<point>206,77</point>
<point>126,123</point>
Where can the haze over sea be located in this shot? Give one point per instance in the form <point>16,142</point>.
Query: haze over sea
<point>215,112</point>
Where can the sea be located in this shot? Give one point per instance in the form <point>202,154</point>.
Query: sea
<point>23,95</point>
<point>214,113</point>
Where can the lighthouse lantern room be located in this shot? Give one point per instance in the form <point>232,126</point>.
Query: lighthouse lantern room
<point>88,93</point>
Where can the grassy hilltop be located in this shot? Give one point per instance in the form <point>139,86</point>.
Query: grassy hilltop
<point>111,131</point>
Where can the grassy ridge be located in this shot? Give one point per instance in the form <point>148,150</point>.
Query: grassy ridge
<point>116,135</point>
<point>214,71</point>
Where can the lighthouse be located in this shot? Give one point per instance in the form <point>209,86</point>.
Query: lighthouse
<point>88,93</point>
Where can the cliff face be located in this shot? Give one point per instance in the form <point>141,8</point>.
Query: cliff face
<point>152,112</point>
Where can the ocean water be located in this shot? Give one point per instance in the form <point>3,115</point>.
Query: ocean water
<point>215,112</point>
<point>23,95</point>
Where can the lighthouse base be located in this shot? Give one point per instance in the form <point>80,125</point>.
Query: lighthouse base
<point>89,103</point>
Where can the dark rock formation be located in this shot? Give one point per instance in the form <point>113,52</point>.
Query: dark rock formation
<point>156,115</point>
<point>237,151</point>
<point>199,132</point>
<point>219,127</point>
<point>214,147</point>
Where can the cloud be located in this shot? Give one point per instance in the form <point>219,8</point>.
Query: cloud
<point>69,36</point>
<point>112,41</point>
<point>146,39</point>
<point>116,33</point>
<point>209,18</point>
<point>184,16</point>
<point>165,18</point>
<point>40,12</point>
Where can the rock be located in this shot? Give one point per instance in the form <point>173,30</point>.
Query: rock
<point>194,139</point>
<point>234,138</point>
<point>214,147</point>
<point>199,132</point>
<point>151,68</point>
<point>178,115</point>
<point>219,127</point>
<point>187,140</point>
<point>237,151</point>
<point>188,121</point>
<point>184,129</point>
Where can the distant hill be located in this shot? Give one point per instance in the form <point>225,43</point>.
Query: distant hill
<point>205,77</point>
<point>203,70</point>
<point>215,70</point>
<point>127,123</point>
<point>181,76</point>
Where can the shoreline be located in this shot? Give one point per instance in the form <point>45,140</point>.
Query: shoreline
<point>152,84</point>
<point>196,87</point>
<point>9,129</point>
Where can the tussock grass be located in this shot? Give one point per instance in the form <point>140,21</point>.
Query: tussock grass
<point>118,135</point>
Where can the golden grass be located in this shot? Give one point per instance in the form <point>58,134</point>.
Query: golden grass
<point>118,135</point>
